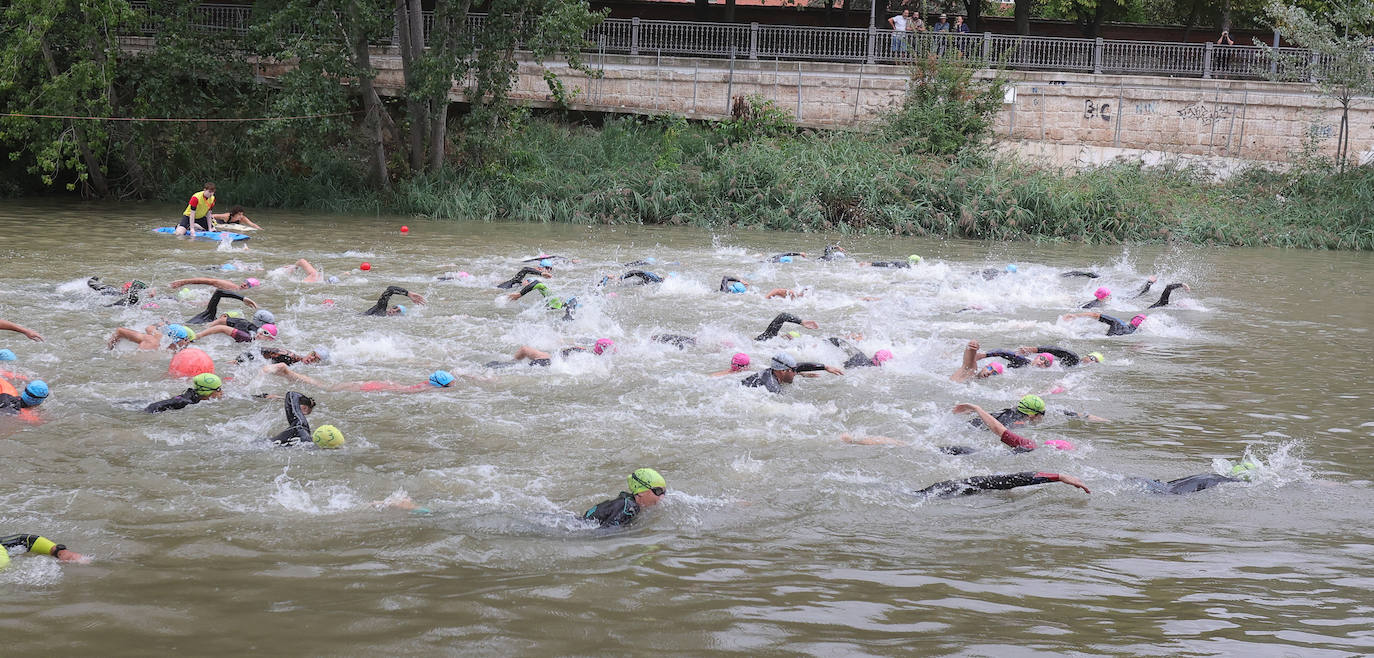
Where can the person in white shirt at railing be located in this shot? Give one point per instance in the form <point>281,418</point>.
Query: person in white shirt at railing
<point>899,28</point>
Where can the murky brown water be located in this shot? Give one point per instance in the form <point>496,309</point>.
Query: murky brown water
<point>777,538</point>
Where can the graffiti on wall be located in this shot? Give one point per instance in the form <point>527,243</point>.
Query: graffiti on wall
<point>1205,112</point>
<point>1103,110</point>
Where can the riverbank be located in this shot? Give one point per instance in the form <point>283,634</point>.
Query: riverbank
<point>673,172</point>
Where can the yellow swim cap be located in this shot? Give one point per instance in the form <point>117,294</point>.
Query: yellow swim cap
<point>644,479</point>
<point>328,437</point>
<point>4,557</point>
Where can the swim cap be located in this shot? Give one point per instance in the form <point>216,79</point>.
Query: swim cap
<point>571,303</point>
<point>264,316</point>
<point>644,479</point>
<point>252,282</point>
<point>35,393</point>
<point>206,384</point>
<point>401,309</point>
<point>785,259</point>
<point>783,361</point>
<point>1135,321</point>
<point>322,352</point>
<point>1031,405</point>
<point>736,286</point>
<point>1244,470</point>
<point>1011,267</point>
<point>546,263</point>
<point>1049,358</point>
<point>602,344</point>
<point>1102,293</point>
<point>270,329</point>
<point>1060,444</point>
<point>233,314</point>
<point>137,285</point>
<point>882,355</point>
<point>333,279</point>
<point>913,259</point>
<point>178,331</point>
<point>441,378</point>
<point>794,334</point>
<point>7,355</point>
<point>227,267</point>
<point>995,367</point>
<point>554,303</point>
<point>651,260</point>
<point>739,360</point>
<point>1096,356</point>
<point>185,294</point>
<point>328,437</point>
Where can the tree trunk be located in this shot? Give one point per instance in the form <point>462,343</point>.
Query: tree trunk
<point>372,123</point>
<point>417,109</point>
<point>1225,15</point>
<point>94,175</point>
<point>729,11</point>
<point>975,14</point>
<point>703,9</point>
<point>1022,13</point>
<point>438,135</point>
<point>1099,15</point>
<point>1192,20</point>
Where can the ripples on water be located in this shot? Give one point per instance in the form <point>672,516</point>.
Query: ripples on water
<point>776,537</point>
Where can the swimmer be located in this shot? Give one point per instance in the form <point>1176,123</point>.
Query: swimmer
<point>205,386</point>
<point>520,276</point>
<point>734,285</point>
<point>197,212</point>
<point>267,332</point>
<point>212,308</point>
<point>222,284</point>
<point>646,488</point>
<point>786,257</point>
<point>857,359</point>
<point>33,396</point>
<point>298,433</point>
<point>1169,290</point>
<point>782,369</point>
<point>834,252</point>
<point>1080,273</point>
<point>312,275</point>
<point>970,370</point>
<point>261,318</point>
<point>38,546</point>
<point>1048,355</point>
<point>1115,327</point>
<point>738,362</point>
<point>553,258</point>
<point>992,272</point>
<point>438,380</point>
<point>541,358</point>
<point>1029,409</point>
<point>1101,296</point>
<point>279,355</point>
<point>234,216</point>
<point>967,486</point>
<point>381,307</point>
<point>910,261</point>
<point>151,337</point>
<point>776,325</point>
<point>642,276</point>
<point>1015,441</point>
<point>129,291</point>
<point>1018,359</point>
<point>676,340</point>
<point>784,292</point>
<point>6,325</point>
<point>1242,472</point>
<point>552,303</point>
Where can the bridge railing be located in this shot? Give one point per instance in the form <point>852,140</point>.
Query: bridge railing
<point>874,46</point>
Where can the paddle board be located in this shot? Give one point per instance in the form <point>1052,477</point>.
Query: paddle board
<point>204,235</point>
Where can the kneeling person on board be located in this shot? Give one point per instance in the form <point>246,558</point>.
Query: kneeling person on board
<point>197,212</point>
<point>646,488</point>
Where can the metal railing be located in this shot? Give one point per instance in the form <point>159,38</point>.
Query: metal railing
<point>874,46</point>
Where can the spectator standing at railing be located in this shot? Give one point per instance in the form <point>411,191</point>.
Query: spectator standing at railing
<point>1224,56</point>
<point>899,28</point>
<point>941,25</point>
<point>916,24</point>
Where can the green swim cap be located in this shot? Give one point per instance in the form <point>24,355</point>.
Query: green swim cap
<point>542,288</point>
<point>644,479</point>
<point>554,303</point>
<point>1244,471</point>
<point>234,313</point>
<point>4,557</point>
<point>206,384</point>
<point>185,294</point>
<point>794,334</point>
<point>327,437</point>
<point>913,259</point>
<point>1097,356</point>
<point>1031,405</point>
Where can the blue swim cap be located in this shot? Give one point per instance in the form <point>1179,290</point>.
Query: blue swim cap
<point>441,378</point>
<point>736,286</point>
<point>572,302</point>
<point>35,393</point>
<point>546,263</point>
<point>785,259</point>
<point>228,267</point>
<point>333,279</point>
<point>651,259</point>
<point>1011,267</point>
<point>401,309</point>
<point>7,355</point>
<point>179,332</point>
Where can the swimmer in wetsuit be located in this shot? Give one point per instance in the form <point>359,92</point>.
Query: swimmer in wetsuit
<point>383,308</point>
<point>1100,298</point>
<point>1074,273</point>
<point>834,252</point>
<point>1029,409</point>
<point>298,433</point>
<point>676,340</point>
<point>204,386</point>
<point>33,396</point>
<point>857,359</point>
<point>910,261</point>
<point>129,293</point>
<point>212,308</point>
<point>266,332</point>
<point>519,277</point>
<point>972,485</point>
<point>552,303</point>
<point>776,325</point>
<point>6,325</point>
<point>1168,290</point>
<point>287,357</point>
<point>38,546</point>
<point>782,370</point>
<point>1115,327</point>
<point>733,284</point>
<point>643,277</point>
<point>970,370</point>
<point>738,363</point>
<point>541,358</point>
<point>786,257</point>
<point>646,488</point>
<point>222,284</point>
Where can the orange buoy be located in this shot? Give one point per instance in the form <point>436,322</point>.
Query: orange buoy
<point>190,362</point>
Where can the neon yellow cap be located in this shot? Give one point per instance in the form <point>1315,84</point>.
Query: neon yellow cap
<point>644,479</point>
<point>328,437</point>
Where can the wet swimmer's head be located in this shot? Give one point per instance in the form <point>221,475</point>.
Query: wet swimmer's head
<point>647,486</point>
<point>441,379</point>
<point>784,259</point>
<point>264,316</point>
<point>1011,267</point>
<point>179,332</point>
<point>1102,293</point>
<point>1135,321</point>
<point>207,385</point>
<point>398,309</point>
<point>736,286</point>
<point>545,262</point>
<point>35,393</point>
<point>1043,360</point>
<point>328,437</point>
<point>990,369</point>
<point>1246,470</point>
<point>7,355</point>
<point>250,282</point>
<point>318,355</point>
<point>739,362</point>
<point>882,356</point>
<point>602,346</point>
<point>784,367</point>
<point>913,259</point>
<point>1031,405</point>
<point>1095,357</point>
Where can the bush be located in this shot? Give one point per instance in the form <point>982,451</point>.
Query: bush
<point>945,110</point>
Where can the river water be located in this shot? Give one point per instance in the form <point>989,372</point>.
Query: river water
<point>776,537</point>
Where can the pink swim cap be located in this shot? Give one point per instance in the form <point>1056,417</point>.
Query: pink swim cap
<point>252,282</point>
<point>1102,293</point>
<point>882,355</point>
<point>1059,444</point>
<point>602,344</point>
<point>270,329</point>
<point>996,367</point>
<point>739,360</point>
<point>1048,357</point>
<point>150,305</point>
<point>1135,321</point>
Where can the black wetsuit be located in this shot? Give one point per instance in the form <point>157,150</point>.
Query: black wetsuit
<point>536,259</point>
<point>384,301</point>
<point>298,430</point>
<point>776,325</point>
<point>1063,356</point>
<point>189,396</point>
<point>1013,359</point>
<point>1144,289</point>
<point>273,354</point>
<point>857,359</point>
<point>525,290</point>
<point>1164,298</point>
<point>1096,303</point>
<point>618,511</point>
<point>1008,417</point>
<point>644,277</point>
<point>726,281</point>
<point>891,263</point>
<point>212,309</point>
<point>11,404</point>
<point>777,258</point>
<point>519,276</point>
<point>243,324</point>
<point>1190,484</point>
<point>766,379</point>
<point>966,486</point>
<point>1073,273</point>
<point>1115,327</point>
<point>677,340</point>
<point>129,297</point>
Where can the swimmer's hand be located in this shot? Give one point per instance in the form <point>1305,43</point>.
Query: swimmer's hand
<point>1073,481</point>
<point>833,370</point>
<point>416,297</point>
<point>65,555</point>
<point>965,407</point>
<point>811,324</point>
<point>250,303</point>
